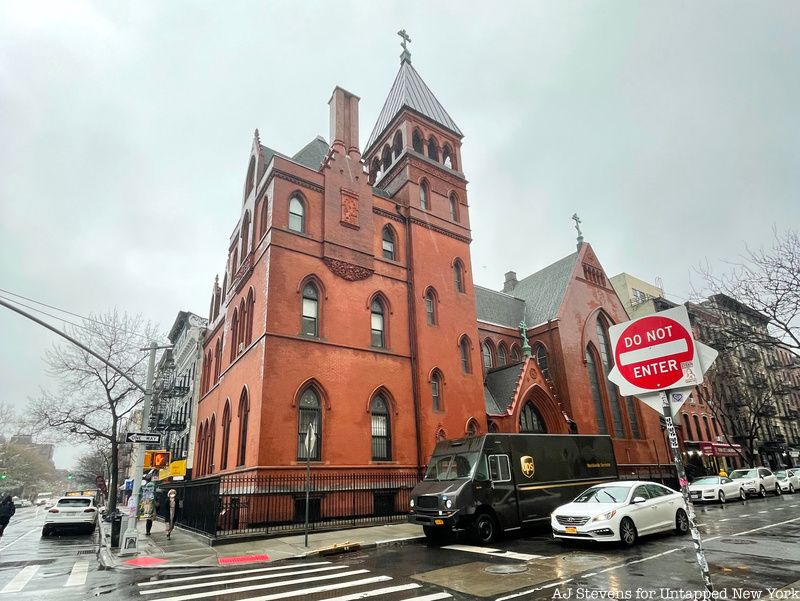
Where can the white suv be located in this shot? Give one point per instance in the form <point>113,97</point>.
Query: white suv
<point>71,512</point>
<point>756,481</point>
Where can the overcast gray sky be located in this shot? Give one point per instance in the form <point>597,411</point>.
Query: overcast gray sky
<point>672,128</point>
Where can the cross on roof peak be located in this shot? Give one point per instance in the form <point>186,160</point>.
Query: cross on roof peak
<point>406,55</point>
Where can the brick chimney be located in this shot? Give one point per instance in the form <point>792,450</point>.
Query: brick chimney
<point>511,281</point>
<point>344,123</point>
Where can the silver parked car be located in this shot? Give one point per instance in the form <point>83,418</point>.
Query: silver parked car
<point>757,481</point>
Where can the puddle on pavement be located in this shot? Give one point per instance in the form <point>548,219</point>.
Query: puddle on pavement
<point>474,578</point>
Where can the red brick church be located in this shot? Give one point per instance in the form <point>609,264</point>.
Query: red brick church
<point>348,302</point>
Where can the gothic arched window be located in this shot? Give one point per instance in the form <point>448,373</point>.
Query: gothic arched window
<point>386,158</point>
<point>594,382</point>
<point>297,215</point>
<point>436,390</point>
<point>381,432</point>
<point>245,234</point>
<point>310,413</point>
<point>502,355</point>
<point>248,326</point>
<point>417,141</point>
<point>397,145</point>
<point>515,356</point>
<point>472,428</point>
<point>234,334</point>
<point>530,420</point>
<point>541,361</point>
<point>611,388</point>
<point>226,435</point>
<point>310,310</point>
<point>430,306</point>
<point>423,195</point>
<point>454,208</point>
<point>466,364</point>
<point>263,218</point>
<point>447,157</point>
<point>244,412</point>
<point>388,243</point>
<point>458,275</point>
<point>488,357</point>
<point>377,324</point>
<point>433,149</point>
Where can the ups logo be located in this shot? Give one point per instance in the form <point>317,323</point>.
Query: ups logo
<point>527,466</point>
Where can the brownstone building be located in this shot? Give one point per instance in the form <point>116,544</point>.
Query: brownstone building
<point>348,303</point>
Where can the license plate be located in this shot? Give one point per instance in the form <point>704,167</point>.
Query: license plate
<point>438,522</point>
<point>571,530</point>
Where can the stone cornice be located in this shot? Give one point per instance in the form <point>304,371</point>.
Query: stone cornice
<point>388,214</point>
<point>440,230</point>
<point>294,179</point>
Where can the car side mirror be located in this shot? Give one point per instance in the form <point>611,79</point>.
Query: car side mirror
<point>637,500</point>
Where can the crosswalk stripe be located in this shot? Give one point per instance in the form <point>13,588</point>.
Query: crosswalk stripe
<point>493,552</point>
<point>226,581</point>
<point>19,581</point>
<point>255,587</point>
<point>375,592</point>
<point>431,597</point>
<point>310,591</point>
<point>78,575</point>
<point>236,573</point>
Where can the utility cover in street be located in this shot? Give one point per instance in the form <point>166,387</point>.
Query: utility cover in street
<point>154,438</point>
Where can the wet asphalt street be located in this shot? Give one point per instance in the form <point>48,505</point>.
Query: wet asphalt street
<point>752,547</point>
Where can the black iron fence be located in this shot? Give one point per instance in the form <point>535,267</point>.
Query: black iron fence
<point>665,474</point>
<point>231,505</point>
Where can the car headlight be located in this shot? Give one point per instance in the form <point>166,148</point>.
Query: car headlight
<point>448,503</point>
<point>411,502</point>
<point>604,516</point>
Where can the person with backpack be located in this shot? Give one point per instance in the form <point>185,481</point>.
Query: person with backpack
<point>7,509</point>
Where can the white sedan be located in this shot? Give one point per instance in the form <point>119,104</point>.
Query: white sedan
<point>70,512</point>
<point>620,511</point>
<point>716,488</point>
<point>788,480</point>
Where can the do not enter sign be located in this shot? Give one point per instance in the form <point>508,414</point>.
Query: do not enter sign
<point>656,352</point>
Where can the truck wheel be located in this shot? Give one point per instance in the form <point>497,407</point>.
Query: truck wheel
<point>435,534</point>
<point>484,529</point>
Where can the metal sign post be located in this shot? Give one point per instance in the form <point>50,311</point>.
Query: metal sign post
<point>310,444</point>
<point>684,484</point>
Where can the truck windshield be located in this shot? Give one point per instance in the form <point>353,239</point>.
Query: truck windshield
<point>452,467</point>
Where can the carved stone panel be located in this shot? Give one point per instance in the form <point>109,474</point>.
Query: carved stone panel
<point>349,209</point>
<point>347,271</point>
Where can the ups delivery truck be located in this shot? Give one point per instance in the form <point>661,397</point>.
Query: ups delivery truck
<point>501,482</point>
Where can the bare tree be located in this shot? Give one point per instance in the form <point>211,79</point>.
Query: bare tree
<point>94,462</point>
<point>767,281</point>
<point>93,399</point>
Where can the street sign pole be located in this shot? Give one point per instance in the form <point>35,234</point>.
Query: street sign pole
<point>684,484</point>
<point>310,443</point>
<point>130,540</point>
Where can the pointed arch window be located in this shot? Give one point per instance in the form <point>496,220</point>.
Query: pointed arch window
<point>594,382</point>
<point>244,413</point>
<point>377,324</point>
<point>488,358</point>
<point>458,275</point>
<point>466,364</point>
<point>687,426</point>
<point>417,141</point>
<point>248,326</point>
<point>472,428</point>
<point>436,390</point>
<point>530,420</point>
<point>430,307</point>
<point>502,355</point>
<point>310,413</point>
<point>310,321</point>
<point>226,436</point>
<point>611,388</point>
<point>234,333</point>
<point>708,428</point>
<point>397,144</point>
<point>263,218</point>
<point>515,356</point>
<point>201,433</point>
<point>447,156</point>
<point>433,149</point>
<point>386,158</point>
<point>453,208</point>
<point>697,431</point>
<point>297,215</point>
<point>211,434</point>
<point>381,431</point>
<point>423,195</point>
<point>242,325</point>
<point>234,262</point>
<point>388,243</point>
<point>541,361</point>
<point>376,170</point>
<point>245,234</point>
<point>217,360</point>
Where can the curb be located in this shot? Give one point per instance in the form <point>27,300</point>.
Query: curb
<point>408,540</point>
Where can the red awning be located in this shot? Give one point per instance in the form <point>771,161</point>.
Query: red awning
<point>720,449</point>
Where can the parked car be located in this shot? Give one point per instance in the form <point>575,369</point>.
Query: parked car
<point>716,488</point>
<point>71,513</point>
<point>789,480</point>
<point>756,481</point>
<point>620,511</point>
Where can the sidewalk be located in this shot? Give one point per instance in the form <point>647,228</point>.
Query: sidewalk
<point>185,549</point>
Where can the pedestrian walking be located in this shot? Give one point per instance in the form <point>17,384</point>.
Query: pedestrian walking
<point>7,509</point>
<point>172,510</point>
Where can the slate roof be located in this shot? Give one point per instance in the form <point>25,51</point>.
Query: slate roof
<point>268,153</point>
<point>312,154</point>
<point>498,307</point>
<point>498,390</point>
<point>408,90</point>
<point>543,291</point>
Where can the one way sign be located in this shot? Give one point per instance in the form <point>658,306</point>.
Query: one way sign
<point>142,437</point>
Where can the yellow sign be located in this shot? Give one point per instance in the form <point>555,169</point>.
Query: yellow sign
<point>177,468</point>
<point>162,474</point>
<point>527,466</point>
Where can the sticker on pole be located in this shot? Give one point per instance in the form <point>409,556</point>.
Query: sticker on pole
<point>656,352</point>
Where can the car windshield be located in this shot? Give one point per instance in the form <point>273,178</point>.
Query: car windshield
<point>781,475</point>
<point>604,494</point>
<point>74,502</point>
<point>739,474</point>
<point>707,480</point>
<point>452,467</point>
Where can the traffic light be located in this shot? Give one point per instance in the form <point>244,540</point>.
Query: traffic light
<point>69,476</point>
<point>3,475</point>
<point>161,459</point>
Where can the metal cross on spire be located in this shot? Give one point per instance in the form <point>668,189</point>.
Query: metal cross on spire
<point>406,56</point>
<point>578,222</point>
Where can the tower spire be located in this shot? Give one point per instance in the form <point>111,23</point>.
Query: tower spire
<point>578,222</point>
<point>406,55</point>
